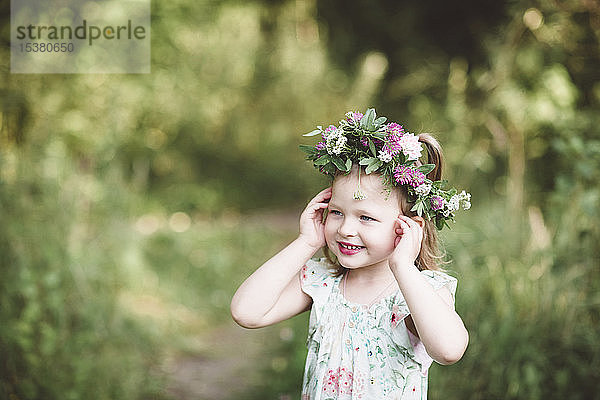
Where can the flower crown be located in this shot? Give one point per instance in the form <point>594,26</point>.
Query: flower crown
<point>385,148</point>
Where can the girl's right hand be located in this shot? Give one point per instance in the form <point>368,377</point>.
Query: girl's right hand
<point>312,226</point>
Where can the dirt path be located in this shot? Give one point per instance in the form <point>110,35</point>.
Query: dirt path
<point>226,368</point>
<point>231,356</point>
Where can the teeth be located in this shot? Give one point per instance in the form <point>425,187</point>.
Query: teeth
<point>350,247</point>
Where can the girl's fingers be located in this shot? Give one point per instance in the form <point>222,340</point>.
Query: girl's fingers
<point>408,222</point>
<point>403,224</point>
<point>320,206</point>
<point>322,197</point>
<point>397,240</point>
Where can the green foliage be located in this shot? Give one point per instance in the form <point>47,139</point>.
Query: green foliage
<point>531,324</point>
<point>62,334</point>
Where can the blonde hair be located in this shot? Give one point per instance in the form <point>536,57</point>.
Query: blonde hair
<point>430,256</point>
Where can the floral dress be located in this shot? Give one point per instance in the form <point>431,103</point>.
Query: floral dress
<point>360,352</point>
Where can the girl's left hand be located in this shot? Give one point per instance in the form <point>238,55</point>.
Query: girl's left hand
<point>408,240</point>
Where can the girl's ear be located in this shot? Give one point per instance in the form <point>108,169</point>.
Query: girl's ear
<point>419,220</point>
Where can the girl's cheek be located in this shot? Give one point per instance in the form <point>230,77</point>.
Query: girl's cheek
<point>328,228</point>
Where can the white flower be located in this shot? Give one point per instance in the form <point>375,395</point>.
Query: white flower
<point>385,156</point>
<point>336,141</point>
<point>411,147</point>
<point>359,195</point>
<point>339,144</point>
<point>454,203</point>
<point>465,200</point>
<point>424,189</point>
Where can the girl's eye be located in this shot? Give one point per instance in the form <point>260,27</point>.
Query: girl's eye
<point>367,218</point>
<point>335,212</point>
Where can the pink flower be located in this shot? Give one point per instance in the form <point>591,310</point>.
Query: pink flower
<point>411,147</point>
<point>354,116</point>
<point>392,144</point>
<point>320,146</point>
<point>330,129</point>
<point>405,175</point>
<point>394,129</point>
<point>437,203</point>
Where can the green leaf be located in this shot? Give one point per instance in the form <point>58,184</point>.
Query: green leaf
<point>339,163</point>
<point>313,133</point>
<point>329,168</point>
<point>367,120</point>
<point>323,160</point>
<point>367,161</point>
<point>348,165</point>
<point>379,135</point>
<point>308,149</point>
<point>418,208</point>
<point>426,168</point>
<point>380,121</point>
<point>372,147</point>
<point>373,166</point>
<point>439,223</point>
<point>440,184</point>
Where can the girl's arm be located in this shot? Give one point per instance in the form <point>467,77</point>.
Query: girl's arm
<point>439,327</point>
<point>273,293</point>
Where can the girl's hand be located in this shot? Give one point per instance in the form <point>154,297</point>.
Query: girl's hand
<point>312,226</point>
<point>408,240</point>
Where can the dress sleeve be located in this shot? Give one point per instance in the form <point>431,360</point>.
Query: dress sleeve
<point>316,279</point>
<point>439,279</point>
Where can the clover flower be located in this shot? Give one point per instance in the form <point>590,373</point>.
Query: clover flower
<point>437,203</point>
<point>392,144</point>
<point>411,147</point>
<point>339,145</point>
<point>385,156</point>
<point>353,116</point>
<point>328,131</point>
<point>394,129</point>
<point>336,140</point>
<point>423,190</point>
<point>408,176</point>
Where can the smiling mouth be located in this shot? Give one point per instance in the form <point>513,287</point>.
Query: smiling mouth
<point>349,249</point>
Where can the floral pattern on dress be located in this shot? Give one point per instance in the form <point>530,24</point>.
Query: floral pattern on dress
<point>360,352</point>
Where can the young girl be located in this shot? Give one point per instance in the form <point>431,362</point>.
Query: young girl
<point>381,309</point>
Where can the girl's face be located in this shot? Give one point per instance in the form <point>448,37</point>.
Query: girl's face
<point>361,232</point>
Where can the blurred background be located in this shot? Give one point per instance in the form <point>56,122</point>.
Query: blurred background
<point>132,206</point>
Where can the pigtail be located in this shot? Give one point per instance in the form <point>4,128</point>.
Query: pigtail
<point>430,256</point>
<point>434,155</point>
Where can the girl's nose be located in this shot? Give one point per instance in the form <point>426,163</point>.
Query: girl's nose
<point>347,228</point>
